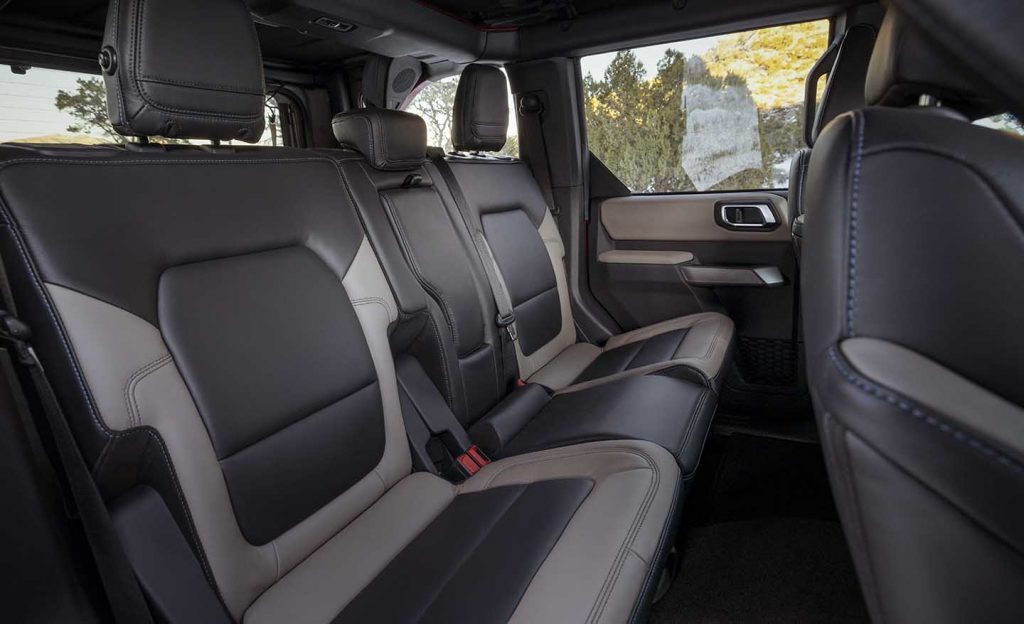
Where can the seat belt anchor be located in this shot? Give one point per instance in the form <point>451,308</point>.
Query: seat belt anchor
<point>508,323</point>
<point>14,328</point>
<point>18,335</point>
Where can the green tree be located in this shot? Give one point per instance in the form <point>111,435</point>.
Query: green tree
<point>434,103</point>
<point>88,105</point>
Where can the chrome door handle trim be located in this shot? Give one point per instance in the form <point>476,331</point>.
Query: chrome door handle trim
<point>765,210</point>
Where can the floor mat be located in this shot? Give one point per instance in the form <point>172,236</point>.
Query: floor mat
<point>769,570</point>
<point>761,541</point>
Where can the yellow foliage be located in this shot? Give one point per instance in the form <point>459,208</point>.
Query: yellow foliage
<point>774,62</point>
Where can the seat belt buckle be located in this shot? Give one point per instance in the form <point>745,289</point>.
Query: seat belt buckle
<point>472,460</point>
<point>508,323</point>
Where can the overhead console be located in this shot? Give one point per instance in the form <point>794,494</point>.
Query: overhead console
<point>393,28</point>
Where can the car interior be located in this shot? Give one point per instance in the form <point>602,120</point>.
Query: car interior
<point>667,311</point>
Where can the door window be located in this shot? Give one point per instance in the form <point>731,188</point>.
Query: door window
<point>721,113</point>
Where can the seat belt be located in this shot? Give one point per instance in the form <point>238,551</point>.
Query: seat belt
<point>531,109</point>
<point>506,318</point>
<point>127,604</point>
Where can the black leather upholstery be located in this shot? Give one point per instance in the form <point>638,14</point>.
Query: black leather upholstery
<point>906,64</point>
<point>163,562</point>
<point>495,430</point>
<point>480,118</point>
<point>316,392</point>
<point>475,560</point>
<point>940,263</point>
<point>798,180</point>
<point>390,140</point>
<point>657,348</point>
<point>184,69</point>
<point>375,81</point>
<point>526,268</point>
<point>670,412</point>
<point>906,294</point>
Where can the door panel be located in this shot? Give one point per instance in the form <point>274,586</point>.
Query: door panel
<point>654,257</point>
<point>690,217</point>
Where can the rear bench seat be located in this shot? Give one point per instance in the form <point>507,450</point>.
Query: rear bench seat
<point>215,324</point>
<point>422,238</point>
<point>517,224</point>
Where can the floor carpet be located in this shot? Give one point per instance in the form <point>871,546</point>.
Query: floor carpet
<point>760,541</point>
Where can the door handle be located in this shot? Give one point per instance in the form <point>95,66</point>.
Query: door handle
<point>746,216</point>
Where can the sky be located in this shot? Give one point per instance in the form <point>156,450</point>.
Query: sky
<point>596,65</point>
<point>27,103</point>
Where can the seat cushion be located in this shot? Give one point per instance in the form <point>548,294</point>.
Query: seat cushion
<point>694,347</point>
<point>564,535</point>
<point>672,413</point>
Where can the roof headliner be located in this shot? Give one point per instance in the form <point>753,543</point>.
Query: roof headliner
<point>68,32</point>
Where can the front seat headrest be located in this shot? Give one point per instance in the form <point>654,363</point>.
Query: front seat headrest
<point>480,119</point>
<point>906,65</point>
<point>390,140</point>
<point>183,69</point>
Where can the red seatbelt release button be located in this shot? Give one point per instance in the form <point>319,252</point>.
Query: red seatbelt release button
<point>478,456</point>
<point>468,464</point>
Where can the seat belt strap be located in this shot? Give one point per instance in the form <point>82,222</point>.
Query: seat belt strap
<point>127,603</point>
<point>531,109</point>
<point>506,318</point>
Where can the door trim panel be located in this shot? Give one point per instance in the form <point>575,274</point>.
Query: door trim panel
<point>687,217</point>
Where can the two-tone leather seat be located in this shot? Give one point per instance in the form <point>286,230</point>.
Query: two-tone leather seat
<point>912,301</point>
<point>509,209</point>
<point>423,241</point>
<point>216,326</point>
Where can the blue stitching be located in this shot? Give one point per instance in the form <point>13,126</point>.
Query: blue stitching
<point>918,413</point>
<point>851,292</point>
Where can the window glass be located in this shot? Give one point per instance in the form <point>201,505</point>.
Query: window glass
<point>1005,122</point>
<point>52,106</point>
<point>434,102</point>
<point>718,113</point>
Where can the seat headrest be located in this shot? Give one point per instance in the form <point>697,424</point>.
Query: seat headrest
<point>480,120</point>
<point>906,64</point>
<point>844,90</point>
<point>390,140</point>
<point>183,69</point>
<point>985,35</point>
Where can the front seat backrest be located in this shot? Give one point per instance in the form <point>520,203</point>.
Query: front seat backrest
<point>914,250</point>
